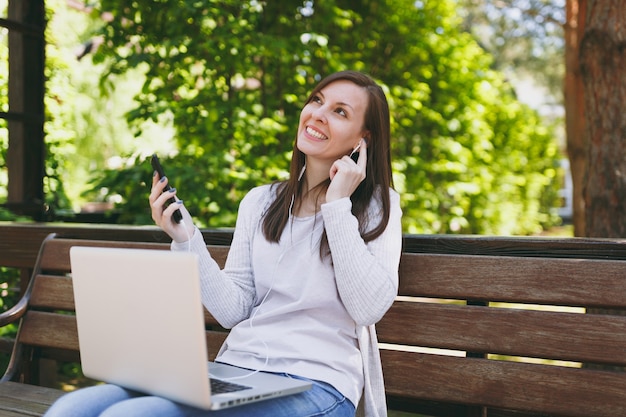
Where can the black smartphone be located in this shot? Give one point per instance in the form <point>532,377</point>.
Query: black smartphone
<point>156,165</point>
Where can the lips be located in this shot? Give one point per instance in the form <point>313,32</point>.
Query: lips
<point>316,134</point>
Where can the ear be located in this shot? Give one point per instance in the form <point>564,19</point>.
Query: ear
<point>365,135</point>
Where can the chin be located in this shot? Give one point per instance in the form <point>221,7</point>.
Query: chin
<point>304,145</point>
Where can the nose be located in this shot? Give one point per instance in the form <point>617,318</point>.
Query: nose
<point>319,114</point>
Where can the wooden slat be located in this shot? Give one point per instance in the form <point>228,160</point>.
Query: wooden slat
<point>21,406</point>
<point>574,282</point>
<point>20,242</point>
<point>56,254</point>
<point>536,247</point>
<point>52,292</point>
<point>539,334</point>
<point>209,320</point>
<point>34,393</point>
<point>20,413</point>
<point>219,253</point>
<point>50,330</point>
<point>18,399</point>
<point>549,390</point>
<point>431,408</point>
<point>214,341</point>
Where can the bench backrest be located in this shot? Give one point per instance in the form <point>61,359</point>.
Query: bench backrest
<point>48,326</point>
<point>468,335</point>
<point>536,335</point>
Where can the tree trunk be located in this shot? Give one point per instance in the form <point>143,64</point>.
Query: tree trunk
<point>574,109</point>
<point>603,68</point>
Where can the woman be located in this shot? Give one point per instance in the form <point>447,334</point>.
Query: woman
<point>312,266</point>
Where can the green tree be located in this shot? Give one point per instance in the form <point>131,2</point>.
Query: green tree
<point>86,130</point>
<point>232,75</point>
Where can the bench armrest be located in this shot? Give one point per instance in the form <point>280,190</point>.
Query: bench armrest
<point>16,312</point>
<point>19,309</point>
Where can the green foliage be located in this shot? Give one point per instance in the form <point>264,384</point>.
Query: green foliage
<point>86,130</point>
<point>231,76</point>
<point>236,135</point>
<point>457,127</point>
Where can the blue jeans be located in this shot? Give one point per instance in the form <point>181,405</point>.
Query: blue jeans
<point>114,401</point>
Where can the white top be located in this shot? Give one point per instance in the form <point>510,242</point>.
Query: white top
<point>291,311</point>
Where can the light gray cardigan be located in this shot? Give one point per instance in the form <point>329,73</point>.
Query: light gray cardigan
<point>367,276</point>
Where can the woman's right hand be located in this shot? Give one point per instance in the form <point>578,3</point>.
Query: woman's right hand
<point>162,215</point>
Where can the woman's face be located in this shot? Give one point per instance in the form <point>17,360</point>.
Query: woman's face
<point>332,123</point>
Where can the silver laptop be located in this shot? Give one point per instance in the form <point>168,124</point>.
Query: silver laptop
<point>141,326</point>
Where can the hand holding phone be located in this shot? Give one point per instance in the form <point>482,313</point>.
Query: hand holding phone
<point>156,165</point>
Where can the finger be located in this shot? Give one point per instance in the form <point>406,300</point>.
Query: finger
<point>159,190</point>
<point>159,201</point>
<point>165,196</point>
<point>156,209</point>
<point>158,184</point>
<point>155,178</point>
<point>169,211</point>
<point>343,165</point>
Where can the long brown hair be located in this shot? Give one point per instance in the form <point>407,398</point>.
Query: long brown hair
<point>378,170</point>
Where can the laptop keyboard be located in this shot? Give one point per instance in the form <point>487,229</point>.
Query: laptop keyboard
<point>220,387</point>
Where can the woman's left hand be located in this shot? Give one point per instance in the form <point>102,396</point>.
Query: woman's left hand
<point>162,216</point>
<point>346,175</point>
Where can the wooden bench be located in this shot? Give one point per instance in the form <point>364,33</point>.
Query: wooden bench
<point>470,335</point>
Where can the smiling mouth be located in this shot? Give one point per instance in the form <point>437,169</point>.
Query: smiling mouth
<point>315,133</point>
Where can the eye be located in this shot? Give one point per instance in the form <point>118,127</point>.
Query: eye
<point>316,99</point>
<point>341,112</point>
